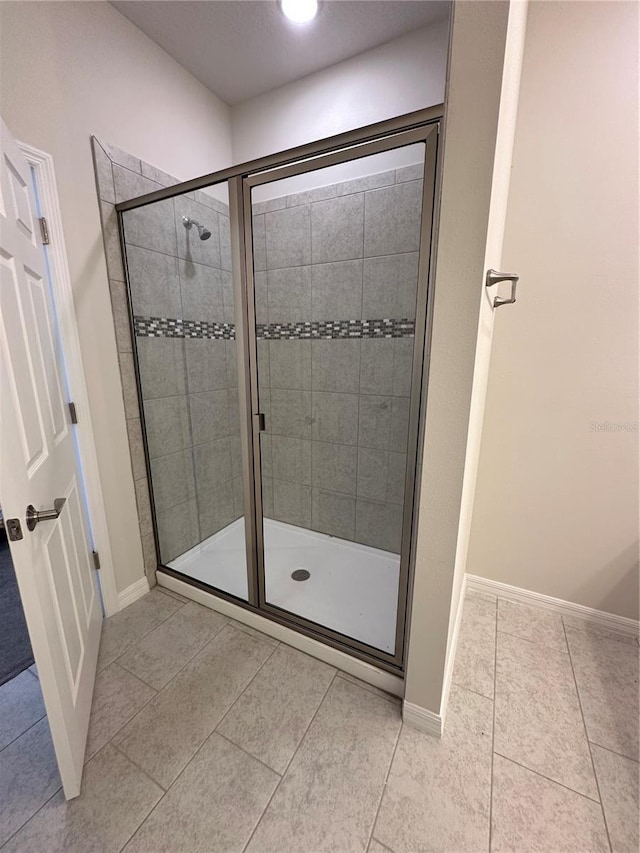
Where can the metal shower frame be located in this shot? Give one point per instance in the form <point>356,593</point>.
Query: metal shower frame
<point>423,126</point>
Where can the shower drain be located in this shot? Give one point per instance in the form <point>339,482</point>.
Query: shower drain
<point>300,575</point>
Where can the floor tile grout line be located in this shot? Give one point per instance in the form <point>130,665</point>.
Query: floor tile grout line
<point>17,737</point>
<point>370,688</point>
<point>462,686</point>
<point>136,765</point>
<point>166,790</point>
<point>548,778</point>
<point>286,770</point>
<point>533,642</point>
<point>246,687</point>
<point>157,692</point>
<point>245,751</point>
<point>30,818</point>
<point>615,752</point>
<point>384,783</point>
<point>186,663</point>
<point>586,734</point>
<point>493,728</point>
<point>146,634</point>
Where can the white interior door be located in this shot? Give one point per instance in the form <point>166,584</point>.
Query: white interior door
<point>53,562</point>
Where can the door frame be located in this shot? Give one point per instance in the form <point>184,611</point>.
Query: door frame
<point>62,293</point>
<point>423,122</point>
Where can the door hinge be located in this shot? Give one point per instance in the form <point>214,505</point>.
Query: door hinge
<point>73,413</point>
<point>96,560</point>
<point>44,230</point>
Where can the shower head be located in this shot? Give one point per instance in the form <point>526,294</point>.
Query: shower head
<point>203,232</point>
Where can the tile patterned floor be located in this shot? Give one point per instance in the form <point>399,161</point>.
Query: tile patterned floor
<point>208,736</point>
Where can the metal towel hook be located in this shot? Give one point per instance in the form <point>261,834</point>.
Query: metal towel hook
<point>494,277</point>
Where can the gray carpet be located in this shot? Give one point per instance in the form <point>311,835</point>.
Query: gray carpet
<point>15,646</point>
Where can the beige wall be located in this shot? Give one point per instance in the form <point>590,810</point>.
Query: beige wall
<point>556,506</point>
<point>68,70</point>
<point>474,87</point>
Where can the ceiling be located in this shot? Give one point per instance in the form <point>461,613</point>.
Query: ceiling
<point>243,48</point>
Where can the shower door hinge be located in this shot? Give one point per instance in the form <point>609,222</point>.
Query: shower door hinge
<point>73,413</point>
<point>44,230</point>
<point>96,560</point>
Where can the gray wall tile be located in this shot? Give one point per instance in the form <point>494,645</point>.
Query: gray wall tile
<point>266,463</point>
<point>172,479</point>
<point>228,298</point>
<point>316,194</point>
<point>376,375</point>
<point>120,308</point>
<point>167,422</point>
<point>337,228</point>
<point>375,418</point>
<point>136,448</point>
<point>104,175</point>
<point>289,294</point>
<point>372,473</point>
<point>260,297</point>
<point>333,514</point>
<point>335,366</point>
<point>259,245</point>
<point>368,182</point>
<point>238,498</point>
<point>288,237</point>
<point>399,423</point>
<point>334,467</point>
<point>178,530</point>
<point>206,364</point>
<point>162,367</point>
<point>232,364</point>
<point>415,172</point>
<point>292,503</point>
<point>291,459</point>
<point>270,204</point>
<point>236,453</point>
<point>201,291</point>
<point>121,158</point>
<point>396,471</point>
<point>267,497</point>
<point>111,240</point>
<point>264,374</point>
<point>335,417</point>
<point>392,219</point>
<point>152,227</point>
<point>379,525</point>
<point>390,286</point>
<point>129,387</point>
<point>225,242</point>
<point>212,463</point>
<point>216,509</point>
<point>189,245</point>
<point>154,283</point>
<point>402,366</point>
<point>129,184</point>
<point>290,413</point>
<point>209,416</point>
<point>336,291</point>
<point>290,364</point>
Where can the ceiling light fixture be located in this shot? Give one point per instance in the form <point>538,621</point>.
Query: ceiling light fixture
<point>299,11</point>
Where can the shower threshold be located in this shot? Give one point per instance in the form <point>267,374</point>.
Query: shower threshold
<point>352,588</point>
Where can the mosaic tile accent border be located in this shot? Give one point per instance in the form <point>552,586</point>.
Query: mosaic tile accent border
<point>164,327</point>
<point>336,329</point>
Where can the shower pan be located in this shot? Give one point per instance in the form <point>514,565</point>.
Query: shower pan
<point>279,312</point>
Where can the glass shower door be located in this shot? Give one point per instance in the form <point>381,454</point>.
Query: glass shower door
<point>336,264</point>
<point>179,270</point>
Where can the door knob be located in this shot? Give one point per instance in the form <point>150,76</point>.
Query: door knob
<point>34,515</point>
<point>493,277</point>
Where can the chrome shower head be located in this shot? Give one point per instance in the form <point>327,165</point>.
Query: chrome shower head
<point>203,232</point>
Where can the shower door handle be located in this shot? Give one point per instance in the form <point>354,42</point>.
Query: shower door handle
<point>493,277</point>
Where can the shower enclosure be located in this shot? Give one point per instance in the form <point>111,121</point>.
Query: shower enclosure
<point>279,316</point>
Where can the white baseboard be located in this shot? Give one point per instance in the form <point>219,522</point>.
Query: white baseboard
<point>133,593</point>
<point>334,657</point>
<point>421,719</point>
<point>597,618</point>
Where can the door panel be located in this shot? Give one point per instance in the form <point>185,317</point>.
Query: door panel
<point>339,293</point>
<point>54,571</point>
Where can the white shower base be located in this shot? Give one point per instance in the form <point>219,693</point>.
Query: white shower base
<point>353,589</point>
